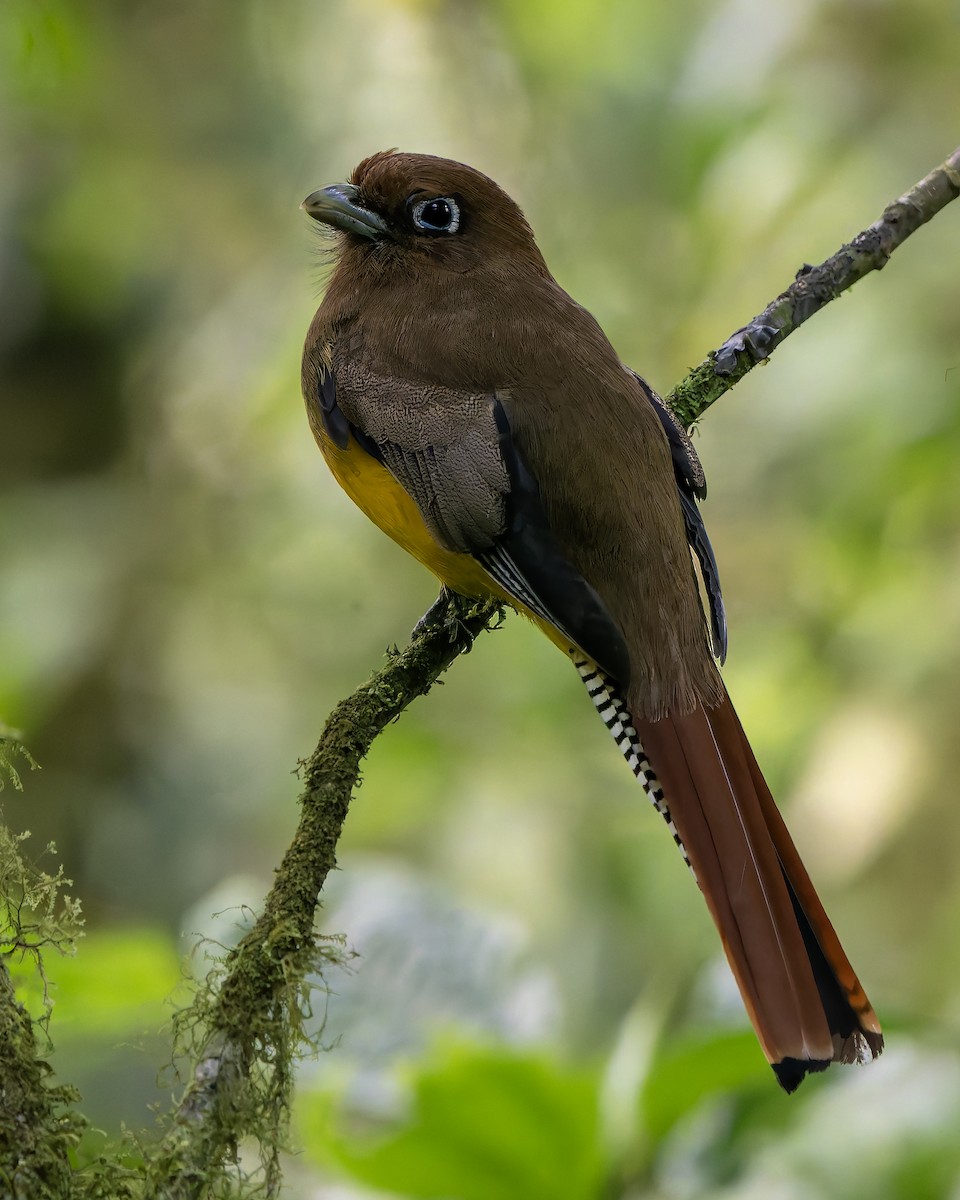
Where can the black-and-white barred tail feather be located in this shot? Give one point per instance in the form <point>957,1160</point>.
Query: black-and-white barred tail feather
<point>616,716</point>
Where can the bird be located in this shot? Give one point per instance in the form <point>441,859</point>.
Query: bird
<point>481,418</point>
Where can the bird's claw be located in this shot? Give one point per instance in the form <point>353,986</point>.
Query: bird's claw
<point>757,340</point>
<point>447,613</point>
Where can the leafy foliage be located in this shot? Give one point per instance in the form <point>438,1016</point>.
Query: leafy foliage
<point>484,1125</point>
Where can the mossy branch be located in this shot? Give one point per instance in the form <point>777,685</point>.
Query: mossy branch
<point>39,1127</point>
<point>253,1020</point>
<point>255,1016</point>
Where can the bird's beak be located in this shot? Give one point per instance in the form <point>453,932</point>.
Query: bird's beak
<point>337,206</point>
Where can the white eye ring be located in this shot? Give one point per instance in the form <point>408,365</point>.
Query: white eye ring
<point>452,225</point>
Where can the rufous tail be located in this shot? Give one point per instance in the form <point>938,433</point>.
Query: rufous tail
<point>802,996</point>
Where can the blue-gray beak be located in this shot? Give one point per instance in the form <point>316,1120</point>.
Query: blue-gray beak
<point>337,206</point>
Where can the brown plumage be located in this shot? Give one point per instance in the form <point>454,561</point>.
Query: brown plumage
<point>482,418</point>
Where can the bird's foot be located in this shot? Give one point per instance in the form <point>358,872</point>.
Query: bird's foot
<point>757,340</point>
<point>448,613</point>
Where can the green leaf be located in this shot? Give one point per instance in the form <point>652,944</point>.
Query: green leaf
<point>488,1124</point>
<point>686,1072</point>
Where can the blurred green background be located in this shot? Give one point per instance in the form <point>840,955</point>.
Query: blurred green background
<point>538,1006</point>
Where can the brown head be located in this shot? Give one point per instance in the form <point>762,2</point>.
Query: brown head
<point>416,209</point>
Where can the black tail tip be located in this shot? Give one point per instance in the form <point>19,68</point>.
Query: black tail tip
<point>791,1072</point>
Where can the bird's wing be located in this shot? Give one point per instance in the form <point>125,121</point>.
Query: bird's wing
<point>453,453</point>
<point>691,487</point>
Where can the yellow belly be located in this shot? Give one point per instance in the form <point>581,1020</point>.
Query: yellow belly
<point>375,492</point>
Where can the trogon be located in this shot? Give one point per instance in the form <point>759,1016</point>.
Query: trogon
<point>480,417</point>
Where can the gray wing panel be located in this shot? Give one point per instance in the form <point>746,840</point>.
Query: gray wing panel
<point>441,445</point>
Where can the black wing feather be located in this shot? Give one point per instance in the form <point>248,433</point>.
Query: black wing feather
<point>700,544</point>
<point>335,424</point>
<point>691,487</point>
<point>338,429</point>
<point>686,466</point>
<point>527,561</point>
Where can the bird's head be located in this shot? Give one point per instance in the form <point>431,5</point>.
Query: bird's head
<point>408,208</point>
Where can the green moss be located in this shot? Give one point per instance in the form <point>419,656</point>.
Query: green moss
<point>12,748</point>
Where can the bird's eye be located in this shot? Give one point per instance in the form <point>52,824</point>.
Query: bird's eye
<point>440,215</point>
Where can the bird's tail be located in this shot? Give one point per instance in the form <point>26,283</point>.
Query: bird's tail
<point>802,996</point>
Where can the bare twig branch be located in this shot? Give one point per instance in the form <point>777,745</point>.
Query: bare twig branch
<point>813,288</point>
